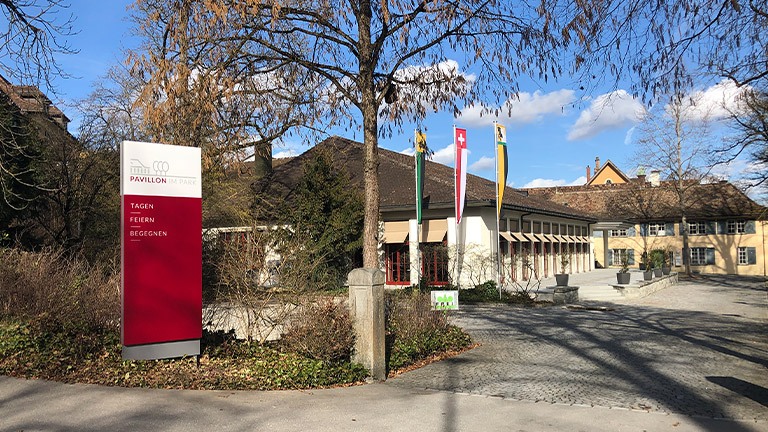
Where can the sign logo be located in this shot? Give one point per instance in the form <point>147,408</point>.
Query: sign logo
<point>140,172</point>
<point>445,300</point>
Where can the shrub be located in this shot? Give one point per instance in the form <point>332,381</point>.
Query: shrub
<point>57,290</point>
<point>415,331</point>
<point>321,330</point>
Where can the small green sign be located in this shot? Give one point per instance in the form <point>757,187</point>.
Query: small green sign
<point>445,300</point>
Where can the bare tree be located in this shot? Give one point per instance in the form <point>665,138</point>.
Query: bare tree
<point>676,141</point>
<point>668,46</point>
<point>749,121</point>
<point>36,33</point>
<point>347,63</point>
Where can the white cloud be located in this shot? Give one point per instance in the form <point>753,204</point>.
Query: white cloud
<point>444,155</point>
<point>410,151</point>
<point>285,154</point>
<point>540,182</point>
<point>713,103</point>
<point>608,111</point>
<point>628,136</point>
<point>485,163</point>
<point>522,109</point>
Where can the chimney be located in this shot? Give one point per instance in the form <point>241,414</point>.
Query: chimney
<point>589,174</point>
<point>654,178</point>
<point>641,175</point>
<point>597,164</point>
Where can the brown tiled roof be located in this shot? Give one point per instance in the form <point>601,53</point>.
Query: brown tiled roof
<point>397,181</point>
<point>30,100</point>
<point>641,202</point>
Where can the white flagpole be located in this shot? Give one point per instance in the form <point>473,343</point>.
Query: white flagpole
<point>418,203</point>
<point>455,205</point>
<point>498,214</point>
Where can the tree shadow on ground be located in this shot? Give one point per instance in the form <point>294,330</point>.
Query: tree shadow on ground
<point>635,357</point>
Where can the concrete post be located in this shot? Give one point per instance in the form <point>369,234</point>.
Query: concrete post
<point>366,306</point>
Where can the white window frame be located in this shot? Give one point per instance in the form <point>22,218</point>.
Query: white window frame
<point>618,233</point>
<point>697,228</point>
<point>698,256</point>
<point>656,229</point>
<point>743,257</point>
<point>735,227</point>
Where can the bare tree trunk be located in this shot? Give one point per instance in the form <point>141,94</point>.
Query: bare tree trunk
<point>686,247</point>
<point>681,189</point>
<point>369,108</point>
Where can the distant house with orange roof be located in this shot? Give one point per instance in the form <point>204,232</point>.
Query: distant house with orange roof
<point>726,229</point>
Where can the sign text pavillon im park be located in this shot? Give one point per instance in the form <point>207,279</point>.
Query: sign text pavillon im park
<point>161,253</point>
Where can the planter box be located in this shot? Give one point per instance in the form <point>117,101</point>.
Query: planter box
<point>623,278</point>
<point>647,275</point>
<point>561,279</point>
<point>657,272</point>
<point>666,270</point>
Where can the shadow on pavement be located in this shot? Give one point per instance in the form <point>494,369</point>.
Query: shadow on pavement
<point>634,356</point>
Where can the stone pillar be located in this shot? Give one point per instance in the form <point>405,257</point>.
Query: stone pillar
<point>366,306</point>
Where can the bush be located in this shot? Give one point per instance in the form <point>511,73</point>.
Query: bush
<point>57,290</point>
<point>415,331</point>
<point>488,292</point>
<point>321,330</point>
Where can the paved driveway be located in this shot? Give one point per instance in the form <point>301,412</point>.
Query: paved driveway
<point>699,348</point>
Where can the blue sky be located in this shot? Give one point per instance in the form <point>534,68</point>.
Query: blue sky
<point>553,131</point>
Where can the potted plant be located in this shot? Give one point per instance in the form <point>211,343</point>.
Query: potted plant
<point>623,276</point>
<point>647,266</point>
<point>657,260</point>
<point>562,277</point>
<point>666,264</point>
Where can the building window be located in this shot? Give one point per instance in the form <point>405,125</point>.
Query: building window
<point>747,255</point>
<point>619,233</point>
<point>656,229</point>
<point>617,255</point>
<point>702,256</point>
<point>697,228</point>
<point>735,227</point>
<point>434,263</point>
<point>743,260</point>
<point>398,263</point>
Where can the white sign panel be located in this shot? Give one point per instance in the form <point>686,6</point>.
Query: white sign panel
<point>160,170</point>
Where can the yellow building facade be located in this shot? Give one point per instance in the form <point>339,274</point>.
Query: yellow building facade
<point>716,247</point>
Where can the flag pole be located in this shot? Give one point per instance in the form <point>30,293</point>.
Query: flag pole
<point>419,209</point>
<point>455,205</point>
<point>498,214</point>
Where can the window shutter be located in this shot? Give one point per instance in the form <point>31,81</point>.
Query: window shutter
<point>710,256</point>
<point>722,227</point>
<point>631,256</point>
<point>680,228</point>
<point>631,232</point>
<point>749,227</point>
<point>669,229</point>
<point>710,227</point>
<point>643,230</point>
<point>751,255</point>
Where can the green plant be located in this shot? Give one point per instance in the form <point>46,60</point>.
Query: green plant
<point>667,256</point>
<point>623,262</point>
<point>657,258</point>
<point>564,259</point>
<point>645,260</point>
<point>415,331</point>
